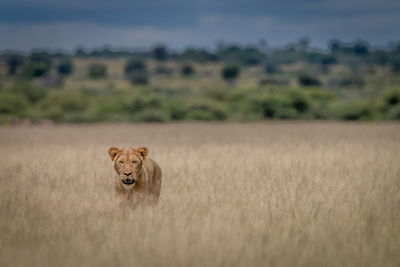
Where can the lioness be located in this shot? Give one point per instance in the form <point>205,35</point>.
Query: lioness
<point>137,178</point>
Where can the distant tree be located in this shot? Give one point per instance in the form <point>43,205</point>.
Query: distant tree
<point>263,45</point>
<point>326,62</point>
<point>65,67</point>
<point>251,56</point>
<point>136,71</point>
<point>199,55</point>
<point>160,53</point>
<point>230,73</point>
<point>80,52</point>
<point>307,80</point>
<point>138,78</point>
<point>187,70</point>
<point>31,92</point>
<point>135,65</point>
<point>352,81</point>
<point>39,63</point>
<point>361,48</point>
<point>303,43</point>
<point>14,62</point>
<point>395,66</point>
<point>335,46</point>
<point>271,68</point>
<point>97,71</point>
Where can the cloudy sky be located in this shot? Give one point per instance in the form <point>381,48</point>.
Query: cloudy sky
<point>62,24</point>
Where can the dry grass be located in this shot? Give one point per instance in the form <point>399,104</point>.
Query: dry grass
<point>278,194</point>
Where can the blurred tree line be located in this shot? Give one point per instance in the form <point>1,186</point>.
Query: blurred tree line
<point>28,83</point>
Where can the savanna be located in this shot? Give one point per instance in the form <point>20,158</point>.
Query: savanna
<point>254,194</point>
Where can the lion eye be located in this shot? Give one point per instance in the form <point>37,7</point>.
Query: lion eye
<point>135,161</point>
<point>121,162</point>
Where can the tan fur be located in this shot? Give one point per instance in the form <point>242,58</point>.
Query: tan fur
<point>133,165</point>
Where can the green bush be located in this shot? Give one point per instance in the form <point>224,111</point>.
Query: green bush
<point>274,81</point>
<point>389,104</point>
<point>13,103</point>
<point>142,101</point>
<point>355,110</point>
<point>160,53</point>
<point>307,80</point>
<point>39,63</point>
<point>352,81</point>
<point>271,68</point>
<point>14,62</point>
<point>138,78</point>
<point>31,92</point>
<point>135,65</point>
<point>136,71</point>
<point>205,110</point>
<point>176,110</point>
<point>230,72</point>
<point>393,113</point>
<point>58,104</point>
<point>391,98</point>
<point>151,115</point>
<point>299,101</point>
<point>187,70</point>
<point>275,106</point>
<point>97,71</point>
<point>162,70</point>
<point>65,67</point>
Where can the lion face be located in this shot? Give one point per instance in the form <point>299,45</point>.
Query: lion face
<point>128,163</point>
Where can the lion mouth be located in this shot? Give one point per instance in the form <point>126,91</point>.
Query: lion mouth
<point>129,181</point>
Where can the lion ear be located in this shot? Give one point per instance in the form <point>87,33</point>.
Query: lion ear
<point>112,152</point>
<point>143,151</point>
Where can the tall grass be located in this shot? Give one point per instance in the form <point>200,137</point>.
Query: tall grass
<point>273,194</point>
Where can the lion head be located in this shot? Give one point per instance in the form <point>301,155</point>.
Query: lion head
<point>128,163</point>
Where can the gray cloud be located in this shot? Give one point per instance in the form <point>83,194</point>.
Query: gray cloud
<point>122,23</point>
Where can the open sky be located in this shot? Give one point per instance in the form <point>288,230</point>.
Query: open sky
<point>62,24</point>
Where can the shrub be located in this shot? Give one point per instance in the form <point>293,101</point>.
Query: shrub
<point>97,71</point>
<point>274,81</point>
<point>160,53</point>
<point>39,63</point>
<point>205,110</point>
<point>176,110</point>
<point>355,110</point>
<point>14,62</point>
<point>353,81</point>
<point>307,80</point>
<point>161,70</point>
<point>187,70</point>
<point>391,98</point>
<point>271,68</point>
<point>31,92</point>
<point>136,71</point>
<point>230,72</point>
<point>395,66</point>
<point>135,65</point>
<point>57,104</point>
<point>299,101</point>
<point>151,115</point>
<point>390,104</point>
<point>275,106</point>
<point>393,113</point>
<point>328,60</point>
<point>12,103</point>
<point>138,78</point>
<point>65,67</point>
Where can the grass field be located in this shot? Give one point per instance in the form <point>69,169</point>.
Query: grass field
<point>268,194</point>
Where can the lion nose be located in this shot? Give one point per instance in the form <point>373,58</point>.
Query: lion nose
<point>128,173</point>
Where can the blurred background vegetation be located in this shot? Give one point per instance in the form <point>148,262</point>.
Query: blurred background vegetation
<point>347,81</point>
